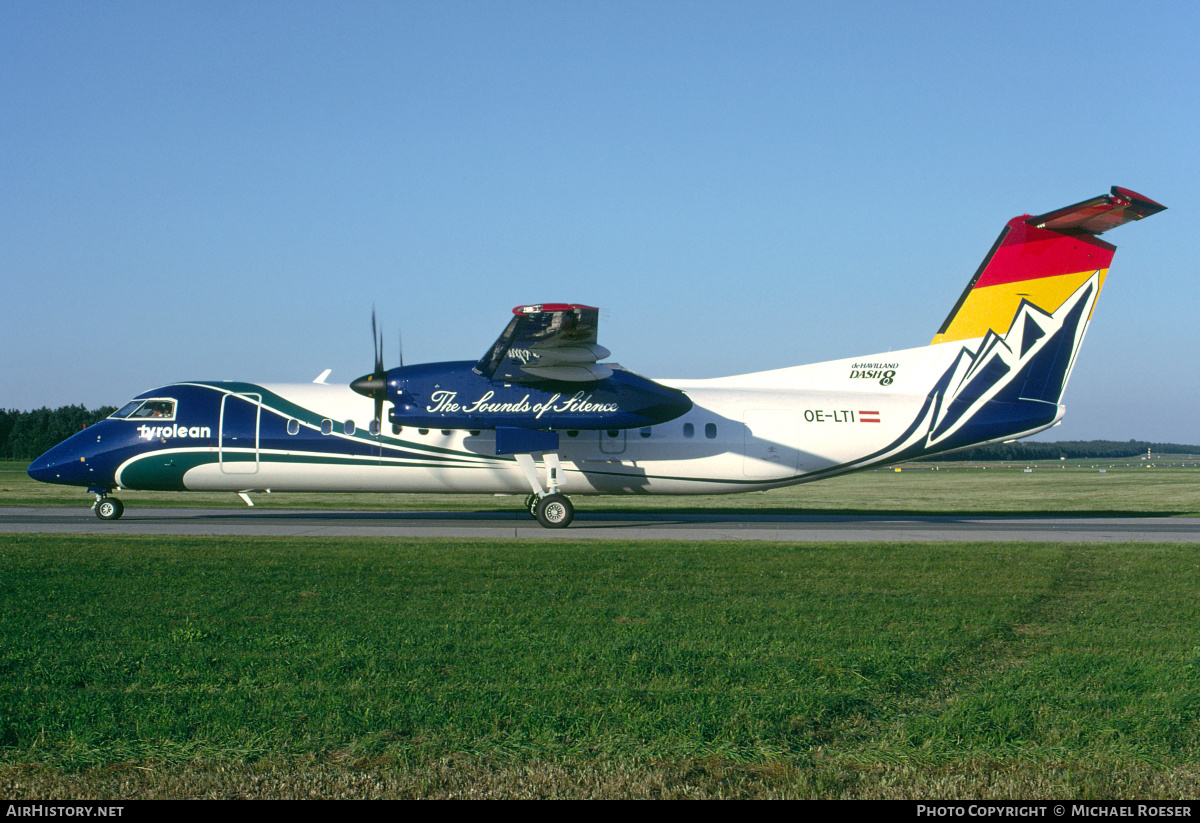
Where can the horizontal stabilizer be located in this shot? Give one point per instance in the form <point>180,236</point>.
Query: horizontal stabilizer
<point>1099,214</point>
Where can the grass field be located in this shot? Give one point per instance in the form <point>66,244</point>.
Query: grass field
<point>211,667</point>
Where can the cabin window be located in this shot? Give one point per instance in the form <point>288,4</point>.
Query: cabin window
<point>348,427</point>
<point>373,428</point>
<point>572,433</point>
<point>446,432</point>
<point>396,429</point>
<point>613,433</point>
<point>326,426</point>
<point>423,432</point>
<point>293,426</point>
<point>710,430</point>
<point>689,430</point>
<point>645,432</point>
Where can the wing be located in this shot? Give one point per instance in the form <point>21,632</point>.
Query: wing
<point>549,341</point>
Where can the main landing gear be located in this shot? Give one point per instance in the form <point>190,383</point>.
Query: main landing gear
<point>107,508</point>
<point>551,508</point>
<point>554,511</point>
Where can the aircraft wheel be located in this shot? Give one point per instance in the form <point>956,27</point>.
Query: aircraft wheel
<point>554,511</point>
<point>110,508</point>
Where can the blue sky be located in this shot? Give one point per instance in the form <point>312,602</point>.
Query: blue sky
<point>223,190</point>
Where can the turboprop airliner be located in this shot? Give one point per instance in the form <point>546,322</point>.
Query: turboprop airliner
<point>541,414</point>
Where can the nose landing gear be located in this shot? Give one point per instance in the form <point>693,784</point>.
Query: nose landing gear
<point>107,508</point>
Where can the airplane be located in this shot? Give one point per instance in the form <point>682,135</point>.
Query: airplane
<point>540,414</point>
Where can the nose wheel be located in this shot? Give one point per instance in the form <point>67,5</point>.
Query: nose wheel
<point>108,508</point>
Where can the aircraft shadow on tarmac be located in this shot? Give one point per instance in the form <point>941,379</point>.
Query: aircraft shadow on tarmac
<point>628,519</point>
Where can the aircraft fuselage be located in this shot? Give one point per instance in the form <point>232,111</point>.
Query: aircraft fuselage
<point>743,433</point>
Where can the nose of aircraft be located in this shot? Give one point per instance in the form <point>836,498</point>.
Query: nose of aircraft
<point>64,464</point>
<point>72,462</point>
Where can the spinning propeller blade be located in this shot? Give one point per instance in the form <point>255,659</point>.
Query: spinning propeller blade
<point>374,385</point>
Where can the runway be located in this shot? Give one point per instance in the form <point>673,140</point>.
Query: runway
<point>601,525</point>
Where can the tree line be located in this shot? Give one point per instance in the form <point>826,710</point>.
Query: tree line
<point>26,434</point>
<point>1071,449</point>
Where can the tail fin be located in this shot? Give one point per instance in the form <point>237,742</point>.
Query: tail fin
<point>1042,260</point>
<point>1022,319</point>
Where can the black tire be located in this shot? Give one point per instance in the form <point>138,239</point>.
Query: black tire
<point>110,508</point>
<point>554,511</point>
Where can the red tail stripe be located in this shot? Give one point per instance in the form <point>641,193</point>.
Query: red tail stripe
<point>1030,253</point>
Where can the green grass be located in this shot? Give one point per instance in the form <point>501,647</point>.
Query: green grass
<point>175,667</point>
<point>1126,487</point>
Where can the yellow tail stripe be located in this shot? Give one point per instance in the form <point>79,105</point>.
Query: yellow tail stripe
<point>994,307</point>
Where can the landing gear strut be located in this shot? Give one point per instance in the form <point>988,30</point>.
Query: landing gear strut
<point>551,508</point>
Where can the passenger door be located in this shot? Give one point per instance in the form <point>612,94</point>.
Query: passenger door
<point>237,438</point>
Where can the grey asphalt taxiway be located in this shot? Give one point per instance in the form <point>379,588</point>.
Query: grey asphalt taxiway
<point>604,525</point>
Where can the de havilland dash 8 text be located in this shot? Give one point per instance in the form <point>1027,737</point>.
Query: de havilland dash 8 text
<point>541,414</point>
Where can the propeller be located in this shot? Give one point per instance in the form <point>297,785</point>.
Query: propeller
<point>374,385</point>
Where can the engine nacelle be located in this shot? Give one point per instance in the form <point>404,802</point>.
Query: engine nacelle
<point>454,396</point>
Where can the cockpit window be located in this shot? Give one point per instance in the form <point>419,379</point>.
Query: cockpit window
<point>157,409</point>
<point>126,410</point>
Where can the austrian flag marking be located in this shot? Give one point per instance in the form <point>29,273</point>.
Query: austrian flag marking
<point>868,417</point>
